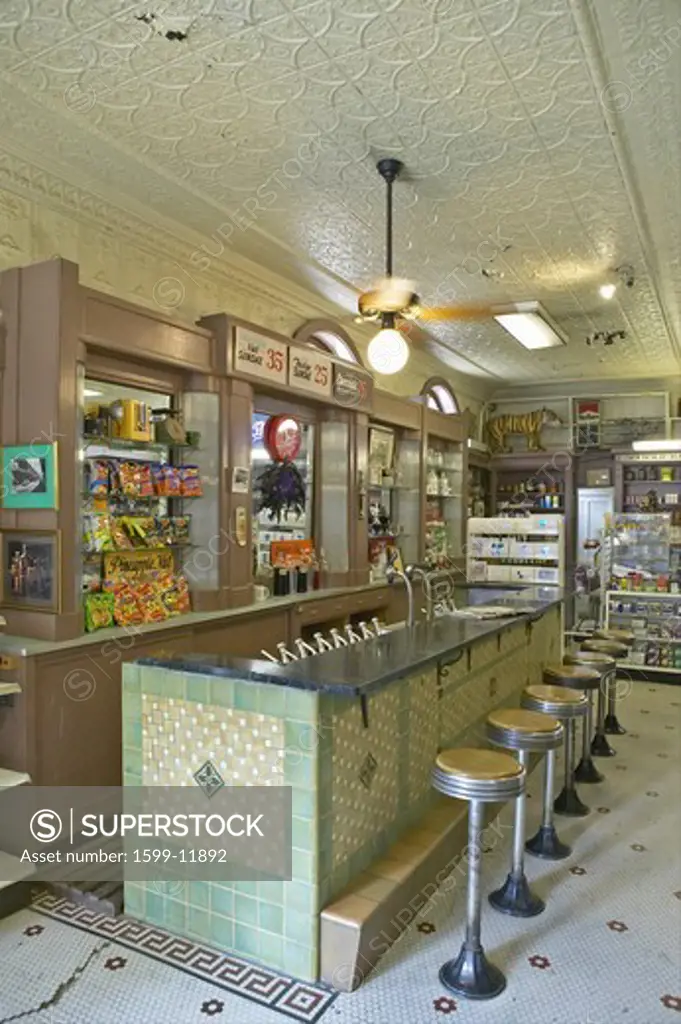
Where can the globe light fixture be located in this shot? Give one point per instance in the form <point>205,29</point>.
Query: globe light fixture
<point>388,352</point>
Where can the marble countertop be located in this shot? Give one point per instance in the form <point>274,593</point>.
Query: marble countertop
<point>360,669</point>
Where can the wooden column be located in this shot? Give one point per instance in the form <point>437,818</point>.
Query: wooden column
<point>41,309</point>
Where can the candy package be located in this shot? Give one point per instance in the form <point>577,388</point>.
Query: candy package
<point>97,474</point>
<point>191,482</point>
<point>126,609</point>
<point>99,611</point>
<point>180,529</point>
<point>150,601</point>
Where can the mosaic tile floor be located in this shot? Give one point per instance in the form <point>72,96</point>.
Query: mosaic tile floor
<point>607,948</point>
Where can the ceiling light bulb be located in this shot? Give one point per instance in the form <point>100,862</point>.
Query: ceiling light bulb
<point>388,352</point>
<point>606,291</point>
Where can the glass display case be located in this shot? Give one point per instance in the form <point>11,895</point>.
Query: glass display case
<point>644,589</point>
<point>444,501</point>
<point>138,485</point>
<point>478,504</point>
<point>283,506</point>
<point>393,497</point>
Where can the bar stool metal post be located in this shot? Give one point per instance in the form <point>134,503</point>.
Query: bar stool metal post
<point>479,776</point>
<point>626,639</point>
<point>606,667</point>
<point>566,705</point>
<point>600,746</point>
<point>545,842</point>
<point>577,675</point>
<point>524,732</point>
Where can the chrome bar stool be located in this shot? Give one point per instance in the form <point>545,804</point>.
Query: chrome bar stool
<point>564,704</point>
<point>579,677</point>
<point>606,667</point>
<point>617,651</point>
<point>479,776</point>
<point>526,732</point>
<point>627,639</point>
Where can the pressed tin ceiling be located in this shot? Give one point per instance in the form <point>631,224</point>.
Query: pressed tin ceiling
<point>540,139</point>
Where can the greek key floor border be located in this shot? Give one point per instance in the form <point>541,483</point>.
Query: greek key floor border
<point>301,1001</point>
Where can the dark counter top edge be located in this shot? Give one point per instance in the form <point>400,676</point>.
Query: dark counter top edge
<point>260,671</point>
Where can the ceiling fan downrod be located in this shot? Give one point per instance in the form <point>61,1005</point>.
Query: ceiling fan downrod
<point>389,169</point>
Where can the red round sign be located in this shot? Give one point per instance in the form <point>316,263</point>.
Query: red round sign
<point>283,438</point>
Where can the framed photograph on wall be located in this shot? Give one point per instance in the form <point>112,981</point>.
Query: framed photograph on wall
<point>29,476</point>
<point>30,562</point>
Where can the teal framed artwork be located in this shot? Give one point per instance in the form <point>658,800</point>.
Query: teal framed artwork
<point>30,476</point>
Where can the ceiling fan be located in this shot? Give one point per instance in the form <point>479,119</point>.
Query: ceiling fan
<point>393,301</point>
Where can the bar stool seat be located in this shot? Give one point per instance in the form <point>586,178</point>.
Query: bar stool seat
<point>524,731</point>
<point>479,776</point>
<point>619,636</point>
<point>565,704</point>
<point>606,667</point>
<point>588,679</point>
<point>579,677</point>
<point>618,650</point>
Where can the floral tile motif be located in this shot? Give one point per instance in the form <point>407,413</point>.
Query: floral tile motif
<point>620,767</point>
<point>638,847</point>
<point>603,810</point>
<point>541,962</point>
<point>425,927</point>
<point>652,792</point>
<point>444,1005</point>
<point>577,871</point>
<point>678,894</point>
<point>115,963</point>
<point>617,926</point>
<point>671,1002</point>
<point>33,929</point>
<point>663,756</point>
<point>211,1007</point>
<point>644,711</point>
<point>634,736</point>
<point>670,727</point>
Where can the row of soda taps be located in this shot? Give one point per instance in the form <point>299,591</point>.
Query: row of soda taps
<point>336,639</point>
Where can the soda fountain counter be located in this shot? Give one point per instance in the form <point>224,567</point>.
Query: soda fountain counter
<point>354,732</point>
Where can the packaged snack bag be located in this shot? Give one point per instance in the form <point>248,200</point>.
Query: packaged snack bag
<point>97,472</point>
<point>99,611</point>
<point>191,482</point>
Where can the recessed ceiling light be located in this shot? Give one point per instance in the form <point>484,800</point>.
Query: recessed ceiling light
<point>606,291</point>
<point>530,325</point>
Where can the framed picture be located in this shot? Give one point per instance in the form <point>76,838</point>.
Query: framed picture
<point>29,476</point>
<point>381,448</point>
<point>31,570</point>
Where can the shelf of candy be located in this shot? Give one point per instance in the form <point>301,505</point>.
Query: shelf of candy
<point>112,480</point>
<point>295,567</point>
<point>149,595</point>
<point>103,532</point>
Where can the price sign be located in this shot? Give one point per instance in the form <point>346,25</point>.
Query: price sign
<point>259,356</point>
<point>310,371</point>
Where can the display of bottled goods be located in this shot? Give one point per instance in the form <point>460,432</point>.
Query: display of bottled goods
<point>530,493</point>
<point>645,583</point>
<point>663,474</point>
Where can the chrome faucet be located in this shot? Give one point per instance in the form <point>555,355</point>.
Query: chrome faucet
<point>393,574</point>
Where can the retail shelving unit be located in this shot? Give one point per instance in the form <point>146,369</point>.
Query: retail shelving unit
<point>527,550</point>
<point>644,590</point>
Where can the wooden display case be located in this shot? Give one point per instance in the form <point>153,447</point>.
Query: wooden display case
<point>444,487</point>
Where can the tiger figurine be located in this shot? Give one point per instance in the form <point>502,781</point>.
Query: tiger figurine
<point>528,423</point>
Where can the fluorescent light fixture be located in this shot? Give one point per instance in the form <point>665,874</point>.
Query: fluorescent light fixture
<point>89,393</point>
<point>530,325</point>
<point>657,446</point>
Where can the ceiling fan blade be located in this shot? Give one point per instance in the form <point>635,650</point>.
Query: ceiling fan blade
<point>455,313</point>
<point>390,295</point>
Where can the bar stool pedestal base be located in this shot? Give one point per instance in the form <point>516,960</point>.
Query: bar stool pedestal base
<point>472,976</point>
<point>613,727</point>
<point>568,803</point>
<point>600,746</point>
<point>516,898</point>
<point>586,771</point>
<point>546,844</point>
